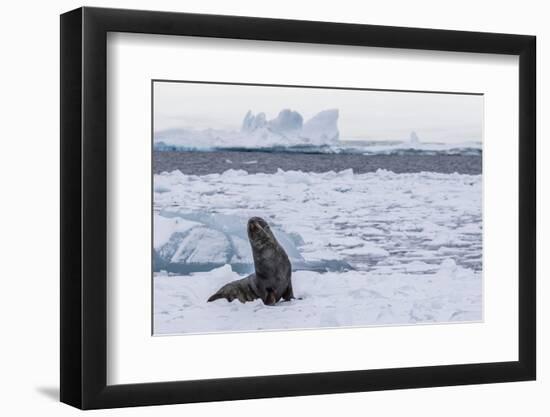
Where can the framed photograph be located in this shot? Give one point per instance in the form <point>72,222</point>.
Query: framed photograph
<point>256,208</point>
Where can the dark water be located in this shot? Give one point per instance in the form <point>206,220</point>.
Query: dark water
<point>202,163</point>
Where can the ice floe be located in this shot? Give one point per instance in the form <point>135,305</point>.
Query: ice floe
<point>366,249</point>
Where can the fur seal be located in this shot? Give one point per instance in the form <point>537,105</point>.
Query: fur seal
<point>272,279</point>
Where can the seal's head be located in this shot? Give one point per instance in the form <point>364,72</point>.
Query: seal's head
<point>260,234</point>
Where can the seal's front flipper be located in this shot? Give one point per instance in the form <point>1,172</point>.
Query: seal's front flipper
<point>288,294</point>
<point>236,290</point>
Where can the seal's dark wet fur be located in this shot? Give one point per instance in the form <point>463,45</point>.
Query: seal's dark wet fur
<point>272,279</point>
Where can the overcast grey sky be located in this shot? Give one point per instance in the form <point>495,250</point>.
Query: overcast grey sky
<point>376,115</point>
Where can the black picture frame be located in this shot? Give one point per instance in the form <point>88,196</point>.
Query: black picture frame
<point>84,207</point>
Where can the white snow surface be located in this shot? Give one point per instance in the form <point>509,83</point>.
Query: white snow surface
<point>370,249</point>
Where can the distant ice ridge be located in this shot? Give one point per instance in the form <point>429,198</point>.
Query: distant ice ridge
<point>415,146</point>
<point>288,133</point>
<point>287,130</point>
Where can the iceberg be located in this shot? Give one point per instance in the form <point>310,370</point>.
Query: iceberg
<point>251,122</point>
<point>413,139</point>
<point>287,130</point>
<point>287,121</point>
<point>322,128</point>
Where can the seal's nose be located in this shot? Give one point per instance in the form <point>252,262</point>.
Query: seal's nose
<point>255,224</point>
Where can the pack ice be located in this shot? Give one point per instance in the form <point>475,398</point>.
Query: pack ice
<point>367,249</point>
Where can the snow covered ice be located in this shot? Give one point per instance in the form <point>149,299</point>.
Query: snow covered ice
<point>367,249</point>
